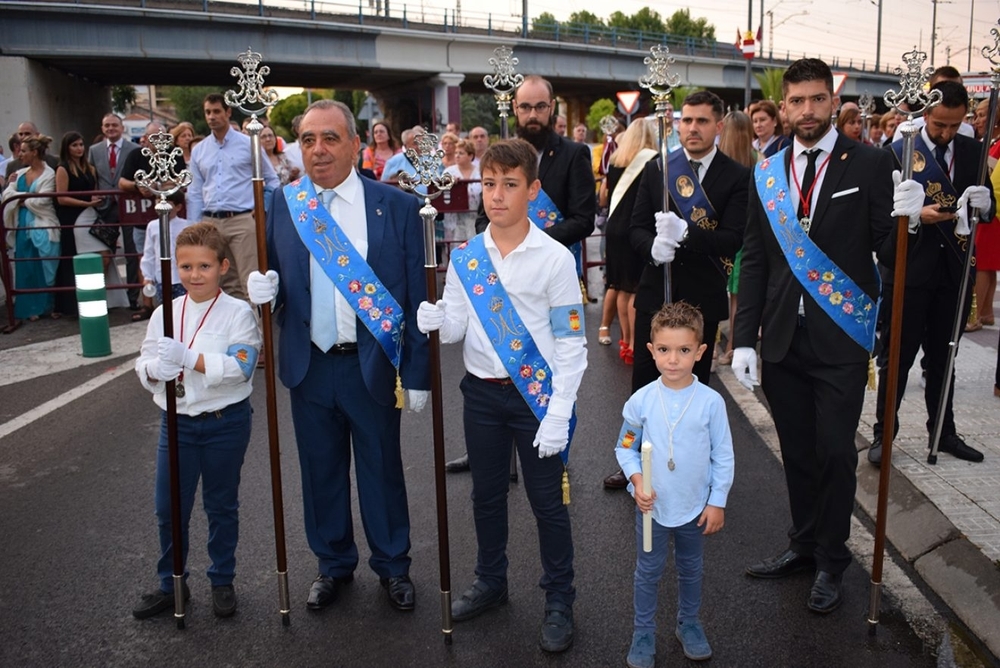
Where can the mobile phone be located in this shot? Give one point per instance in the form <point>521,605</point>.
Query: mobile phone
<point>947,209</point>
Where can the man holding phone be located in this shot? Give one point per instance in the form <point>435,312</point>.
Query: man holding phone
<point>943,197</point>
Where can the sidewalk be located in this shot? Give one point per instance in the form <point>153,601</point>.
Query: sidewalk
<point>943,519</point>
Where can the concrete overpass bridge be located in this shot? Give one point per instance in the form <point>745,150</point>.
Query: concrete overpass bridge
<point>58,59</point>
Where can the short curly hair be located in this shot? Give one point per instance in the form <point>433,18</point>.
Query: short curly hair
<point>678,315</point>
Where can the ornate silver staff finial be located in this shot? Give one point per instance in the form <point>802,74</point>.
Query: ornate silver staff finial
<point>866,103</point>
<point>251,98</point>
<point>911,86</point>
<point>992,54</point>
<point>428,159</point>
<point>609,124</point>
<point>504,79</point>
<point>658,79</point>
<point>162,179</point>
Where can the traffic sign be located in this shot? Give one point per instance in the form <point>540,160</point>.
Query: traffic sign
<point>628,101</point>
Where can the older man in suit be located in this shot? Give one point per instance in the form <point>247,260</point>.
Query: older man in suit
<point>349,253</point>
<point>949,167</point>
<point>698,238</point>
<point>818,212</point>
<point>108,158</point>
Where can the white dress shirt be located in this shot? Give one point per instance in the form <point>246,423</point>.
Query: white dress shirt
<point>825,146</point>
<point>538,275</point>
<point>706,162</point>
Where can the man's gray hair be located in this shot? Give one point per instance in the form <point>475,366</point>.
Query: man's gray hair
<point>352,126</point>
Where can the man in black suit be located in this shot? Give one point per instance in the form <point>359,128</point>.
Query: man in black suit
<point>698,244</point>
<point>565,171</point>
<point>829,194</point>
<point>935,262</point>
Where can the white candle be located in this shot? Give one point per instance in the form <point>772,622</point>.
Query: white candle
<point>647,489</point>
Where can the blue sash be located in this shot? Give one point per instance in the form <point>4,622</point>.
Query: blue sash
<point>544,213</point>
<point>511,339</point>
<point>938,189</point>
<point>832,289</point>
<point>376,308</point>
<point>692,202</point>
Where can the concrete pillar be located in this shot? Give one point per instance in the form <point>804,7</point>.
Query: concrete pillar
<point>54,101</point>
<point>447,100</point>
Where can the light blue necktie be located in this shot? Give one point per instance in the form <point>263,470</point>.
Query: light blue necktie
<point>323,329</point>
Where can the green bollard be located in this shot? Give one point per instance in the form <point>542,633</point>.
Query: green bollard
<point>91,297</point>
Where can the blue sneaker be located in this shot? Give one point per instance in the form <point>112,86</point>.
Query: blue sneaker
<point>693,641</point>
<point>642,654</point>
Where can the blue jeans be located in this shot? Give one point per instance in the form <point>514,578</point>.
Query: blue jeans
<point>211,447</point>
<point>496,415</point>
<point>649,567</point>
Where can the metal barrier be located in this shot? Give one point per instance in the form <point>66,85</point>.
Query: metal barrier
<point>130,207</point>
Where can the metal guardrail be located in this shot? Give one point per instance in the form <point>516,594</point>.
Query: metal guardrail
<point>384,13</point>
<point>7,262</point>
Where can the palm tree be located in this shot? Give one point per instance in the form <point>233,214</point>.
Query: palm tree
<point>770,83</point>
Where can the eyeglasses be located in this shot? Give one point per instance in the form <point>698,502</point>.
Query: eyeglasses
<point>526,108</point>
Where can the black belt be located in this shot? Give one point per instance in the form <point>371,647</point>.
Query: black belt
<point>224,214</point>
<point>495,381</point>
<point>339,349</point>
<point>217,413</point>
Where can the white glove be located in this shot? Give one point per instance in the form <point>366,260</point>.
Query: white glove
<point>175,352</point>
<point>160,370</point>
<point>552,435</point>
<point>962,217</point>
<point>430,317</point>
<point>671,225</point>
<point>663,249</point>
<point>745,367</point>
<point>978,197</point>
<point>907,199</point>
<point>262,288</point>
<point>417,399</point>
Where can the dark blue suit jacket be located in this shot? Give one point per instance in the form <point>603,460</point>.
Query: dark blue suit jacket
<point>395,253</point>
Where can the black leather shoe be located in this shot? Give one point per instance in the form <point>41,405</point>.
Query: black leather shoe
<point>457,465</point>
<point>955,446</point>
<point>324,590</point>
<point>825,594</point>
<point>875,453</point>
<point>223,600</point>
<point>786,563</point>
<point>616,480</point>
<point>557,629</point>
<point>476,600</point>
<point>157,602</point>
<point>401,593</point>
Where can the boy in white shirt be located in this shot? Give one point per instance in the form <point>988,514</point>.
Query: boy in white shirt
<point>149,264</point>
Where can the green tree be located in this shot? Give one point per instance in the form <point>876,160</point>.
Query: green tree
<point>122,97</point>
<point>480,109</point>
<point>770,83</point>
<point>681,23</point>
<point>645,20</point>
<point>680,93</point>
<point>285,110</point>
<point>598,110</point>
<point>543,25</point>
<point>584,18</point>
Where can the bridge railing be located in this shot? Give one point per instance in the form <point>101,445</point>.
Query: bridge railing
<point>427,17</point>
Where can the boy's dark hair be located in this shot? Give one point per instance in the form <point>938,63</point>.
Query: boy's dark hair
<point>506,156</point>
<point>176,197</point>
<point>709,98</point>
<point>678,315</point>
<point>953,94</point>
<point>203,234</point>
<point>946,73</point>
<point>807,69</point>
<point>215,98</point>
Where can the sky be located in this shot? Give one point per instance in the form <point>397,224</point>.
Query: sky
<point>845,28</point>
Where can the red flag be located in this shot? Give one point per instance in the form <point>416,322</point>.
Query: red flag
<point>739,40</point>
<point>760,33</point>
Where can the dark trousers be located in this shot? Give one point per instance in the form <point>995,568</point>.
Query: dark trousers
<point>928,319</point>
<point>644,370</point>
<point>495,415</point>
<point>212,447</point>
<point>131,261</point>
<point>331,410</point>
<point>816,408</point>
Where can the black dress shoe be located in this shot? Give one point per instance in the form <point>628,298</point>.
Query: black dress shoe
<point>875,453</point>
<point>476,600</point>
<point>457,465</point>
<point>616,480</point>
<point>224,601</point>
<point>955,446</point>
<point>157,602</point>
<point>786,563</point>
<point>400,590</point>
<point>324,590</point>
<point>557,628</point>
<point>825,594</point>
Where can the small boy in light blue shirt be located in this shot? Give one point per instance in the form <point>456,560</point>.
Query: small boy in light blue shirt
<point>692,473</point>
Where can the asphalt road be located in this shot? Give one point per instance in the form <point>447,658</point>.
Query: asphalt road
<point>78,545</point>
